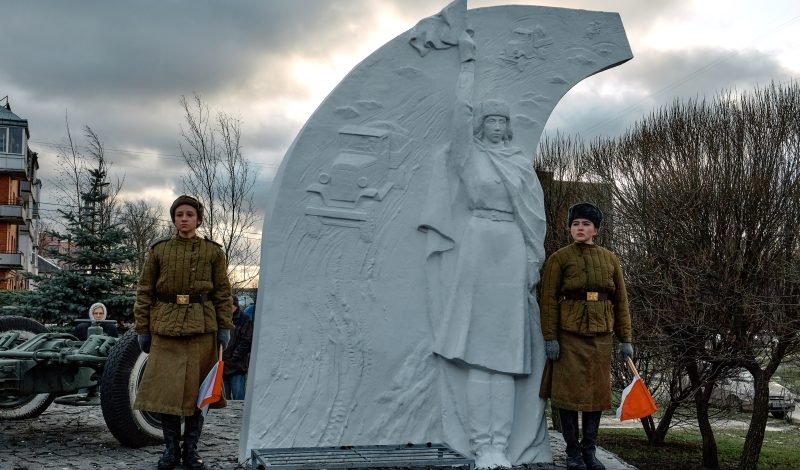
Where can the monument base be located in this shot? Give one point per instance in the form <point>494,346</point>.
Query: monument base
<point>399,455</point>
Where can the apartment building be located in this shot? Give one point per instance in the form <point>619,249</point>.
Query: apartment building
<point>19,201</point>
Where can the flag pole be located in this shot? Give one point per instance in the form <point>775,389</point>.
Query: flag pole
<point>220,352</point>
<point>629,361</point>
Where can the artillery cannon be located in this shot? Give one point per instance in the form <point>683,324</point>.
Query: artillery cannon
<point>37,366</point>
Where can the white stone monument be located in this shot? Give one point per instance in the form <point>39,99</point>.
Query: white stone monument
<point>404,230</point>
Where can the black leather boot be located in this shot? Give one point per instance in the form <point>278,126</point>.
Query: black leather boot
<point>191,436</point>
<point>171,427</point>
<point>591,425</point>
<point>569,429</point>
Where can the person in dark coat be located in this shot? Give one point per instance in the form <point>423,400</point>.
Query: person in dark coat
<point>583,303</point>
<point>183,317</point>
<point>237,355</point>
<point>97,312</point>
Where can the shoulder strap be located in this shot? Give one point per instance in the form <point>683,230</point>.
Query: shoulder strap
<point>212,241</point>
<point>158,242</point>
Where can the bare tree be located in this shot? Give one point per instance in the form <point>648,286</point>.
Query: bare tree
<point>44,233</point>
<point>706,202</point>
<point>69,182</point>
<point>144,225</point>
<point>224,180</point>
<point>72,181</point>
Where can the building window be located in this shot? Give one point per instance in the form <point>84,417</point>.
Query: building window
<point>11,140</point>
<point>15,140</point>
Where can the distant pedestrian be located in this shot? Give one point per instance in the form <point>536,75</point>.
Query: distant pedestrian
<point>97,312</point>
<point>583,303</point>
<point>237,355</point>
<point>183,315</point>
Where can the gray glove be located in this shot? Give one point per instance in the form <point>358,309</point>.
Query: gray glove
<point>144,342</point>
<point>625,351</point>
<point>224,337</point>
<point>552,349</point>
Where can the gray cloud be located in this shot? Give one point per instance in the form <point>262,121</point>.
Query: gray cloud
<point>118,49</point>
<point>121,66</point>
<point>657,78</point>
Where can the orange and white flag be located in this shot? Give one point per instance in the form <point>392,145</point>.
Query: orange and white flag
<point>636,399</point>
<point>211,388</point>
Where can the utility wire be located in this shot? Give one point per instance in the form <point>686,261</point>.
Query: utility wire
<point>165,156</point>
<point>167,221</point>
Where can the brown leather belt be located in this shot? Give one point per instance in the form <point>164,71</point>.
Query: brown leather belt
<point>587,296</point>
<point>182,299</point>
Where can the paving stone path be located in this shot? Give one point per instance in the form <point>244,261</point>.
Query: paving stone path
<point>68,437</point>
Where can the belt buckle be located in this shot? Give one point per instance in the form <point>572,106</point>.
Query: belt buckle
<point>592,296</point>
<point>182,299</point>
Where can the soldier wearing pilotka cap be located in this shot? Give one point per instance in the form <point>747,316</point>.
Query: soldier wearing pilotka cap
<point>183,314</point>
<point>583,303</point>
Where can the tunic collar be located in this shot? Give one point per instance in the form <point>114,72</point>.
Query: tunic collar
<point>582,246</point>
<point>186,240</point>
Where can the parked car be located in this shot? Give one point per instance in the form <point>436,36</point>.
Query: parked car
<point>737,393</point>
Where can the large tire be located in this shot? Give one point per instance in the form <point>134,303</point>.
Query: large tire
<point>23,406</point>
<point>121,376</point>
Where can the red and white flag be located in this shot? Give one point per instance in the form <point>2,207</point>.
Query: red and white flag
<point>211,388</point>
<point>636,399</point>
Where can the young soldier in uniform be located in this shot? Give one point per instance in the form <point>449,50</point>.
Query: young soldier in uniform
<point>583,302</point>
<point>183,315</point>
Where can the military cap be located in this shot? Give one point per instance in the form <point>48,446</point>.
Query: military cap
<point>190,201</point>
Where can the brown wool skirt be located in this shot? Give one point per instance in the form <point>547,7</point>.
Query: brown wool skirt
<point>175,369</point>
<point>581,377</point>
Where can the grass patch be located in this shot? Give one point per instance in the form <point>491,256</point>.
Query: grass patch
<point>683,449</point>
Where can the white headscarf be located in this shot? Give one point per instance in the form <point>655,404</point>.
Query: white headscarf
<point>94,306</point>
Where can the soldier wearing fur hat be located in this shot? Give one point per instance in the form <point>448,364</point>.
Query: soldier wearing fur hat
<point>583,303</point>
<point>183,314</point>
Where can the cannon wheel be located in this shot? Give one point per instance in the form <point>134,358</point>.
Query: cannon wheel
<point>121,376</point>
<point>26,406</point>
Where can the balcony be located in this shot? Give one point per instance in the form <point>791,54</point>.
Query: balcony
<point>10,260</point>
<point>12,212</point>
<point>14,164</point>
<point>28,190</point>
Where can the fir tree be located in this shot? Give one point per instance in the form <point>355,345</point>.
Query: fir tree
<point>93,263</point>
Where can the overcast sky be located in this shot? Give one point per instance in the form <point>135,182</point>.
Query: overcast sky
<point>121,66</point>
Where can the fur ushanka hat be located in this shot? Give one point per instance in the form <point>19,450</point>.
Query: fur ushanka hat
<point>585,210</point>
<point>492,107</point>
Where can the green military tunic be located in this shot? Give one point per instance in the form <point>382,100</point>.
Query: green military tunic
<point>581,377</point>
<point>184,345</point>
